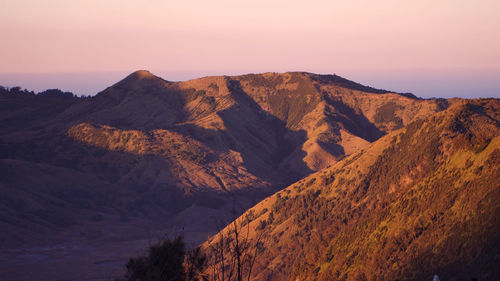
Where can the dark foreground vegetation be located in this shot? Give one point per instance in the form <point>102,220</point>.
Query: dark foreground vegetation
<point>167,260</point>
<point>230,257</point>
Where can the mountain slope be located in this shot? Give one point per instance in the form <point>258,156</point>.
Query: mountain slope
<point>420,201</point>
<point>158,148</point>
<point>338,116</point>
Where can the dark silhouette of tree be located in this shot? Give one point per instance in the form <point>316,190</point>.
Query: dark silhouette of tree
<point>167,261</point>
<point>16,90</point>
<point>194,263</point>
<point>233,253</point>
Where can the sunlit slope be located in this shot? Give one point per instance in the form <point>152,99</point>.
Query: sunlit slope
<point>420,201</point>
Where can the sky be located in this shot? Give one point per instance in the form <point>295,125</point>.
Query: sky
<point>438,48</point>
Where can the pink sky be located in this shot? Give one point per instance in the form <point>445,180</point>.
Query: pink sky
<point>218,37</point>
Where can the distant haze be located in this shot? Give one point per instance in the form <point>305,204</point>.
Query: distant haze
<point>431,48</point>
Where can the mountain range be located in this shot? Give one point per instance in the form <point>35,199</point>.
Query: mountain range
<point>147,153</point>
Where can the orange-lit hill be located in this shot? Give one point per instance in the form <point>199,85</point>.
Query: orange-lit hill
<point>420,201</point>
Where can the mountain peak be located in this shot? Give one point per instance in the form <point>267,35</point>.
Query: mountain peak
<point>139,77</point>
<point>141,74</point>
<point>135,82</point>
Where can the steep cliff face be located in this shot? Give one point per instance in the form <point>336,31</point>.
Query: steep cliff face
<point>421,200</point>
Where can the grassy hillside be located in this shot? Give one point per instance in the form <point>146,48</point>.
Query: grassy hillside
<point>420,201</point>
